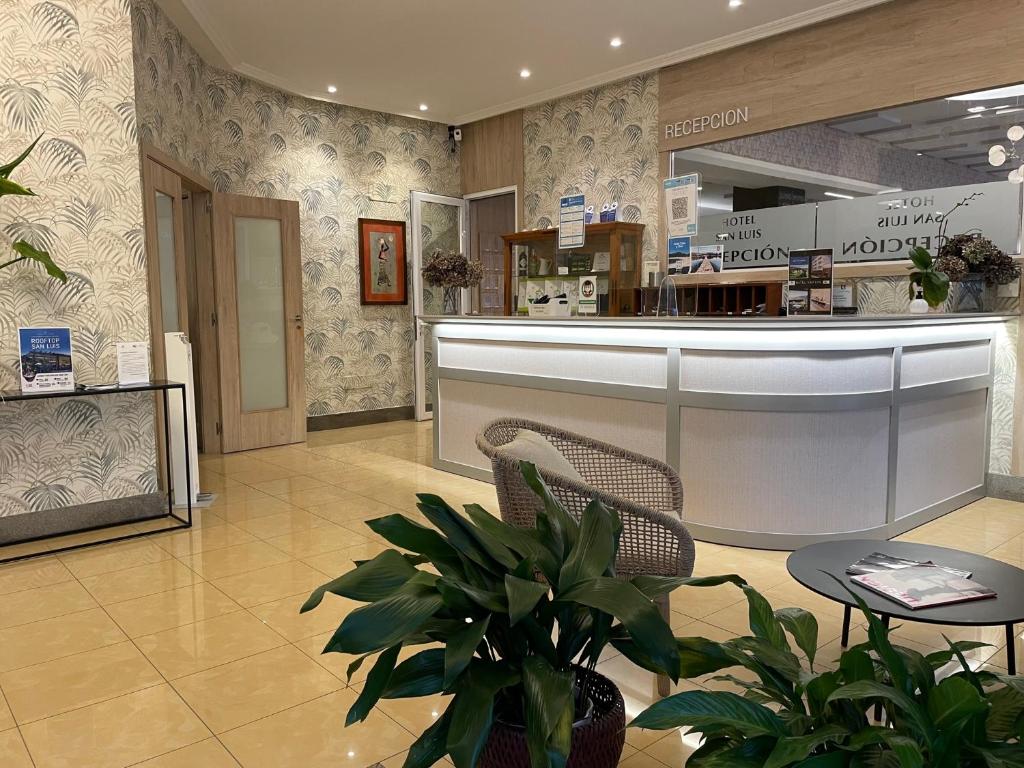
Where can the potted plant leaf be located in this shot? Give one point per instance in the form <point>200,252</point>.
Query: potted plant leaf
<point>792,714</point>
<point>929,286</point>
<point>26,251</point>
<point>523,616</point>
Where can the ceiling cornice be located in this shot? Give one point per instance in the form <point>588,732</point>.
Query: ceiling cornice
<point>197,8</point>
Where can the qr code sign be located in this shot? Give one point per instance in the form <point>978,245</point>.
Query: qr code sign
<point>681,208</point>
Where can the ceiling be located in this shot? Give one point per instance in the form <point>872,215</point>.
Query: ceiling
<point>945,128</point>
<point>462,58</point>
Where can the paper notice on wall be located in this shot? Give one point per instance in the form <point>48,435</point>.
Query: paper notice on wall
<point>588,293</point>
<point>681,205</point>
<point>132,362</point>
<point>571,218</point>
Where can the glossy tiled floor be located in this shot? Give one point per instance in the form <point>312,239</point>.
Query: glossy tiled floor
<point>187,650</point>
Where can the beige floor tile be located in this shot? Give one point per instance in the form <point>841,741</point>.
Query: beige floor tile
<point>198,540</point>
<point>194,647</point>
<point>118,732</point>
<point>338,562</point>
<point>231,561</point>
<point>640,760</point>
<point>249,509</point>
<point>415,715</point>
<point>6,717</point>
<point>353,511</point>
<point>12,750</point>
<point>673,749</point>
<point>317,541</point>
<point>287,485</point>
<point>202,754</point>
<point>703,601</point>
<point>312,735</point>
<point>139,581</point>
<point>338,663</point>
<point>312,497</point>
<point>43,603</point>
<point>54,638</point>
<point>281,523</point>
<point>234,694</point>
<point>113,557</point>
<point>284,618</point>
<point>175,608</point>
<point>39,572</point>
<point>267,472</point>
<point>77,681</point>
<point>273,583</point>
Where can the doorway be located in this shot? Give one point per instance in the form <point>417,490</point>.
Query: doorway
<point>438,224</point>
<point>491,215</point>
<point>225,270</point>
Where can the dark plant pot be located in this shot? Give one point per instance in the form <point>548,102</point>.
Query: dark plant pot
<point>597,740</point>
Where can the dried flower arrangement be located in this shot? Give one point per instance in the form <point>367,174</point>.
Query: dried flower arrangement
<point>452,270</point>
<point>969,254</point>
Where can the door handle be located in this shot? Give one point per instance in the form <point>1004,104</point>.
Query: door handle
<point>297,318</point>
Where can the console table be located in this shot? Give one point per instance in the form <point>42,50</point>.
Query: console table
<point>158,386</point>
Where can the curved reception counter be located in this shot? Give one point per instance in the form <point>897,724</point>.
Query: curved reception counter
<point>785,431</point>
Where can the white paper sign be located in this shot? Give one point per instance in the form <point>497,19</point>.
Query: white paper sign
<point>588,293</point>
<point>681,205</point>
<point>571,222</point>
<point>132,362</point>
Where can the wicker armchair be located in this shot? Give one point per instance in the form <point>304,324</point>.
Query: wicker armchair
<point>646,493</point>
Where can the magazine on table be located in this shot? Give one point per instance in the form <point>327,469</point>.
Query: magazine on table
<point>878,561</point>
<point>923,586</point>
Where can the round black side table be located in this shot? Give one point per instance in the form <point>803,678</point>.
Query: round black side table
<point>814,566</point>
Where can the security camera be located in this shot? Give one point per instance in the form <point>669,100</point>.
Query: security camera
<point>454,133</point>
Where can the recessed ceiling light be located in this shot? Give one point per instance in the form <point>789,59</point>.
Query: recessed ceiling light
<point>616,42</point>
<point>890,191</point>
<point>839,195</point>
<point>424,107</point>
<point>524,73</point>
<point>1009,111</point>
<point>735,3</point>
<point>332,89</point>
<point>976,109</point>
<point>920,154</point>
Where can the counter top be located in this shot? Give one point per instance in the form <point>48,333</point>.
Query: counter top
<point>800,322</point>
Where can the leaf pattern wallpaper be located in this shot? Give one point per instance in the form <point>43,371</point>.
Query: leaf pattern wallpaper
<point>340,163</point>
<point>66,74</point>
<point>602,143</point>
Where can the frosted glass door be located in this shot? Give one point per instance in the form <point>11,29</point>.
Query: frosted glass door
<point>258,272</point>
<point>262,350</point>
<point>438,224</point>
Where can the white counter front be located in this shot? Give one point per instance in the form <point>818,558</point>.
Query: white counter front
<point>784,431</point>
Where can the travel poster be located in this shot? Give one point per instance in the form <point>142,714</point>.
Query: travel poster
<point>46,360</point>
<point>810,282</point>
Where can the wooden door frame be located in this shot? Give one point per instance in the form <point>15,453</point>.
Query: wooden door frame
<point>240,430</point>
<point>207,374</point>
<point>483,195</point>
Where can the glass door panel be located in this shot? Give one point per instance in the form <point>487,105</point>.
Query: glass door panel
<point>168,262</point>
<point>438,225</point>
<point>262,346</point>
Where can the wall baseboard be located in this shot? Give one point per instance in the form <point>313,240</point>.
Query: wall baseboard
<point>33,525</point>
<point>359,418</point>
<point>1009,487</point>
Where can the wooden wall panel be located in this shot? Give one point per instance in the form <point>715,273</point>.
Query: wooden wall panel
<point>491,155</point>
<point>900,52</point>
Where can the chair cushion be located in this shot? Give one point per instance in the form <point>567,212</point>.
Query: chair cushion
<point>535,448</point>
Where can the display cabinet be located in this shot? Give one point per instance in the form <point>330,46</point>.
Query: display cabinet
<point>612,252</point>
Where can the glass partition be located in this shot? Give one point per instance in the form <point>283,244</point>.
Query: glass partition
<point>869,186</point>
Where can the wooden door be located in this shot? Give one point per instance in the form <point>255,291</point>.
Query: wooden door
<point>489,219</point>
<point>165,244</point>
<point>258,275</point>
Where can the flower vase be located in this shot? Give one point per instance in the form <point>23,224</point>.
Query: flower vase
<point>972,294</point>
<point>451,300</point>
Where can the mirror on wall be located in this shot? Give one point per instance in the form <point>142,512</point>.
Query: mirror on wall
<point>869,186</point>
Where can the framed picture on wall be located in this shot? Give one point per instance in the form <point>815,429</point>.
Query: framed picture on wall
<point>382,264</point>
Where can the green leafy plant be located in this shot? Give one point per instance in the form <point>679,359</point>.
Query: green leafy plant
<point>924,273</point>
<point>792,715</point>
<point>519,613</point>
<point>25,250</point>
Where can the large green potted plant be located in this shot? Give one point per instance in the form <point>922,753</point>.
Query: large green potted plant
<point>25,251</point>
<point>791,714</point>
<point>522,615</point>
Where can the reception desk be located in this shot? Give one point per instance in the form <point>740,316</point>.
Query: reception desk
<point>784,431</point>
